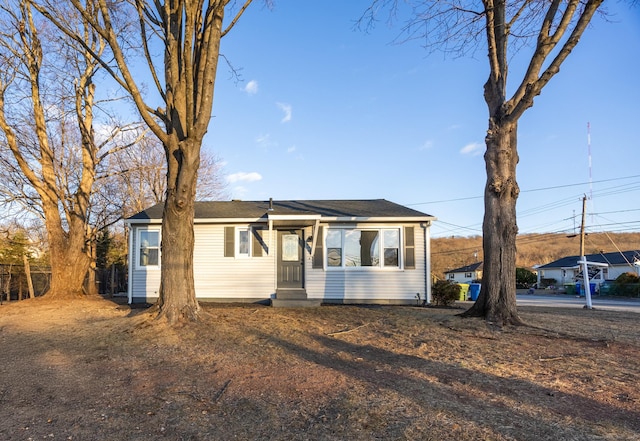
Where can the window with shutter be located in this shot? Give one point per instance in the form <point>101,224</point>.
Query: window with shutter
<point>243,242</point>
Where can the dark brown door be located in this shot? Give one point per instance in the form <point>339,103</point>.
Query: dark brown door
<point>290,259</point>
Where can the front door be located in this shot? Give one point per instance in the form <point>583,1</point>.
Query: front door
<point>290,259</point>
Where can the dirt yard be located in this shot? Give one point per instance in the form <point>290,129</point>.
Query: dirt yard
<point>96,370</point>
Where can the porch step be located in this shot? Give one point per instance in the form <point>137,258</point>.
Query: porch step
<point>291,294</point>
<point>295,303</point>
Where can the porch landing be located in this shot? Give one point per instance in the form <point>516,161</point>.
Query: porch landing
<point>293,298</point>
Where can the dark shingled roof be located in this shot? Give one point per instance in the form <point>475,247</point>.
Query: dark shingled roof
<point>466,269</point>
<point>376,208</point>
<point>616,258</point>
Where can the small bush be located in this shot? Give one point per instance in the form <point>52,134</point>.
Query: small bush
<point>626,278</point>
<point>445,293</point>
<point>626,285</point>
<point>525,278</point>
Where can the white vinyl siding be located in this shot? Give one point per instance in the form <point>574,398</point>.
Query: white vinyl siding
<point>217,276</point>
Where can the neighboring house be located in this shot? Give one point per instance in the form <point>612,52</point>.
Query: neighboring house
<point>567,270</point>
<point>465,274</point>
<point>293,252</point>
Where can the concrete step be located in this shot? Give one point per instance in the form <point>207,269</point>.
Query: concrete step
<point>291,294</point>
<point>293,303</point>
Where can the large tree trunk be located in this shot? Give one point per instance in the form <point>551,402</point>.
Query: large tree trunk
<point>177,298</point>
<point>497,299</point>
<point>69,259</point>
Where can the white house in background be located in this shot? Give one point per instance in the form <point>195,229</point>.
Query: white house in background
<point>567,270</point>
<point>465,274</point>
<point>293,253</point>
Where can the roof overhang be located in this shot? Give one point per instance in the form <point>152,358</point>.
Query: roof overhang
<point>398,219</point>
<point>291,220</point>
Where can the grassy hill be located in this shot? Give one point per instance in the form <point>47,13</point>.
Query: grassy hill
<point>533,249</point>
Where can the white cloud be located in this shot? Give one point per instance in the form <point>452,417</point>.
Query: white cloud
<point>428,144</point>
<point>251,88</point>
<point>286,108</point>
<point>472,149</point>
<point>291,149</point>
<point>244,177</point>
<point>264,141</point>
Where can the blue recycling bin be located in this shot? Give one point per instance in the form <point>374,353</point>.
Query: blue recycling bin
<point>474,290</point>
<point>580,289</point>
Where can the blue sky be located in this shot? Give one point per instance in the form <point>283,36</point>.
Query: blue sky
<point>325,111</point>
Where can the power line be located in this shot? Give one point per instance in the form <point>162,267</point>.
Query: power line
<point>556,187</point>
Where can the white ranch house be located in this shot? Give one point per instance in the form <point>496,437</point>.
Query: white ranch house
<point>567,271</point>
<point>293,253</point>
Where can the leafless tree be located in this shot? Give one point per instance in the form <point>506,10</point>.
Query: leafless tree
<point>138,176</point>
<point>554,28</point>
<point>188,34</point>
<point>47,119</point>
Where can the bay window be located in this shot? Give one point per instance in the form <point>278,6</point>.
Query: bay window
<point>363,247</point>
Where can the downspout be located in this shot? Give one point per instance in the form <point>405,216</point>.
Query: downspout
<point>130,267</point>
<point>273,254</point>
<point>427,260</point>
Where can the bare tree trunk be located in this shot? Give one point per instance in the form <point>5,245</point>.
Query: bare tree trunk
<point>27,274</point>
<point>177,300</point>
<point>497,300</point>
<point>69,261</point>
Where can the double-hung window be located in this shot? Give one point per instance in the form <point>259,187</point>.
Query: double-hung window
<point>363,247</point>
<point>243,242</point>
<point>148,248</point>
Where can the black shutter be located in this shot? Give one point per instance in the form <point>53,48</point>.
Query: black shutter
<point>229,241</point>
<point>258,243</point>
<point>409,248</point>
<point>318,257</point>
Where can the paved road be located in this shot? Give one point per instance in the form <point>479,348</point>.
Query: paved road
<point>566,301</point>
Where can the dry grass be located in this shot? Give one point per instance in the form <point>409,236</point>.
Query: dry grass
<point>94,370</point>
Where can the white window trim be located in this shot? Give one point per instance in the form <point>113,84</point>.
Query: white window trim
<point>137,249</point>
<point>236,251</point>
<point>379,267</point>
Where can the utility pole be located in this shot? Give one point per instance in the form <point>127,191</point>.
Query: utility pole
<point>583,260</point>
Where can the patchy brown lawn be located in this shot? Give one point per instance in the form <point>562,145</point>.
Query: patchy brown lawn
<point>95,370</point>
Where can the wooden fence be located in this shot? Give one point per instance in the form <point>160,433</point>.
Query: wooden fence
<point>14,284</point>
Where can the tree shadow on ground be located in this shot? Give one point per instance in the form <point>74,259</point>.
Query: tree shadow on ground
<point>436,385</point>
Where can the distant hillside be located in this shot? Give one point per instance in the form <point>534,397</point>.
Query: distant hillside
<point>533,249</point>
